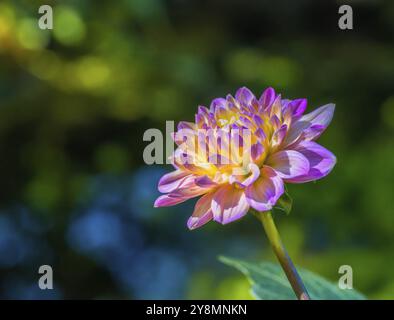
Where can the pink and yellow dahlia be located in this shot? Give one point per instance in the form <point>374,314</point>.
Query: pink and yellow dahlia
<point>239,153</point>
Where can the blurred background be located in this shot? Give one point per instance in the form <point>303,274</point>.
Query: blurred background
<point>76,100</point>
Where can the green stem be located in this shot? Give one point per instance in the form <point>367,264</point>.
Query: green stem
<point>282,255</point>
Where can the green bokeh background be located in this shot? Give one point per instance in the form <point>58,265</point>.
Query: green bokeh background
<point>76,100</point>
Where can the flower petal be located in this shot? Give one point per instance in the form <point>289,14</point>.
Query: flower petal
<point>260,134</point>
<point>244,121</point>
<point>311,125</point>
<point>174,180</point>
<point>276,108</point>
<point>239,177</point>
<point>168,200</point>
<point>257,150</point>
<point>203,111</point>
<point>298,107</point>
<point>180,195</point>
<point>321,161</point>
<point>267,189</point>
<point>229,204</point>
<point>202,212</point>
<point>267,98</point>
<point>187,162</point>
<point>204,182</point>
<point>289,163</point>
<point>321,116</point>
<point>295,132</point>
<point>186,125</point>
<point>218,103</point>
<point>244,96</point>
<point>278,136</point>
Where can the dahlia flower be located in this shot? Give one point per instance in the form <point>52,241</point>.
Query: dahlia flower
<point>240,152</point>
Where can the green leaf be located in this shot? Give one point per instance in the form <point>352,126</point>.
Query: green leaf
<point>284,203</point>
<point>270,283</point>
